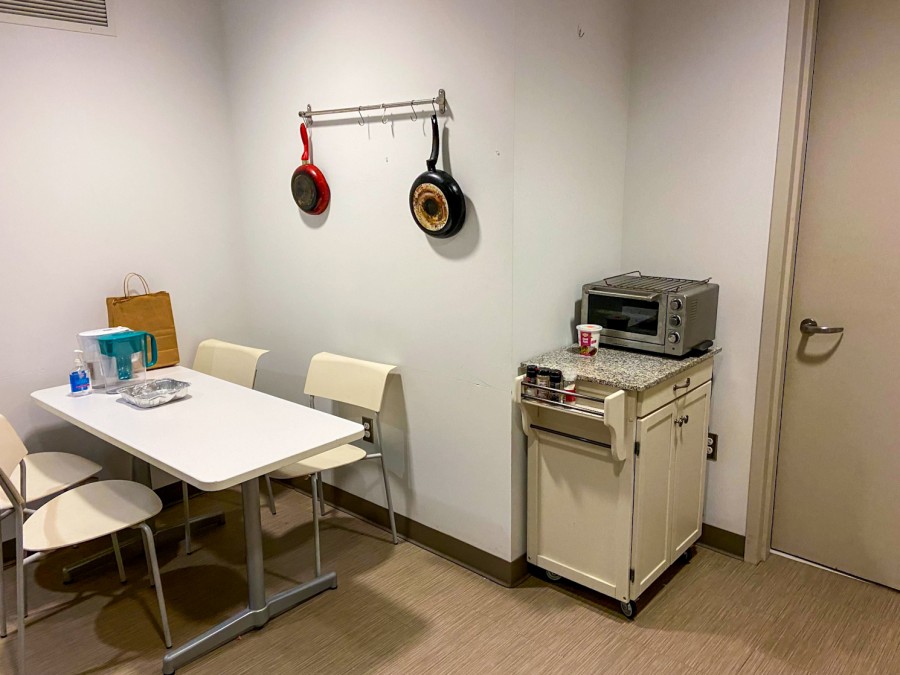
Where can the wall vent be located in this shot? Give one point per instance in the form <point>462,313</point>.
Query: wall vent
<point>89,16</point>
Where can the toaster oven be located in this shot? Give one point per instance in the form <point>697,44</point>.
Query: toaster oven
<point>654,314</point>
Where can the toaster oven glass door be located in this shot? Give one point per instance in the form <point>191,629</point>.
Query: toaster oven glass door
<point>628,318</point>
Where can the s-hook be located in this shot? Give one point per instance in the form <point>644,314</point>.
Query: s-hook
<point>361,122</point>
<point>414,115</point>
<point>308,116</point>
<point>383,113</point>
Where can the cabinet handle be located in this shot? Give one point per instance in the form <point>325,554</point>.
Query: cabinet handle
<point>684,419</point>
<point>682,386</point>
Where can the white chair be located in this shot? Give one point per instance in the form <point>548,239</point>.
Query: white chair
<point>234,363</point>
<point>357,383</point>
<point>38,476</point>
<point>81,514</point>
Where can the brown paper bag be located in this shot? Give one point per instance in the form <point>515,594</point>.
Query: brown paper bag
<point>151,312</point>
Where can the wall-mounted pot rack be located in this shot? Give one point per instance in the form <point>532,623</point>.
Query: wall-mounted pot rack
<point>438,103</point>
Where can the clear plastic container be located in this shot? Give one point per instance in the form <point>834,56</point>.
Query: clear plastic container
<point>89,341</point>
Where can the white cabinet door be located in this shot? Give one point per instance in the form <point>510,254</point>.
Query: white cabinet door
<point>652,526</point>
<point>691,426</point>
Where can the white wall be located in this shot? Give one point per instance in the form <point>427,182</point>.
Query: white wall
<point>702,132</point>
<point>571,115</point>
<point>363,280</point>
<point>116,157</point>
<point>456,315</point>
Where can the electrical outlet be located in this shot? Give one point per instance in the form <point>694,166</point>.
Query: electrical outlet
<point>712,447</point>
<point>369,426</point>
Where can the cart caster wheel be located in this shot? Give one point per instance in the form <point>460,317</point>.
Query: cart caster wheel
<point>687,555</point>
<point>552,576</point>
<point>628,609</point>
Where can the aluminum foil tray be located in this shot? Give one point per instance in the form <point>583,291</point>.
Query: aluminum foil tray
<point>154,392</point>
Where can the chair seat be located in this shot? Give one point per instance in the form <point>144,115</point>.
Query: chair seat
<point>330,459</point>
<point>47,473</point>
<point>88,512</point>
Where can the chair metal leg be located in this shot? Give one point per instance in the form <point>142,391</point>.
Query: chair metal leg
<point>154,571</point>
<point>150,564</point>
<point>321,496</point>
<point>390,503</point>
<point>24,586</point>
<point>2,590</point>
<point>118,552</point>
<point>270,494</point>
<point>315,507</point>
<point>20,585</point>
<point>187,518</point>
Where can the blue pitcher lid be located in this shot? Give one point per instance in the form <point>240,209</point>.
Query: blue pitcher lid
<point>118,344</point>
<point>117,337</point>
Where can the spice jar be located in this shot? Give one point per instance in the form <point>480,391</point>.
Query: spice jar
<point>555,383</point>
<point>543,380</point>
<point>531,373</point>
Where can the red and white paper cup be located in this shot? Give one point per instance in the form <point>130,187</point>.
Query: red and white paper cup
<point>588,338</point>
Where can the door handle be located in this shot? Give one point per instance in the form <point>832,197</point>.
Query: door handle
<point>810,327</point>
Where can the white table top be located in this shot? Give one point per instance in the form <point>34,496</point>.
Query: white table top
<point>220,435</point>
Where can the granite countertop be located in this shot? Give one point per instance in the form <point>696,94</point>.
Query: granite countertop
<point>632,371</point>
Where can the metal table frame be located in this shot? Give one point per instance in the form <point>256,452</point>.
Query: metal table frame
<point>259,608</point>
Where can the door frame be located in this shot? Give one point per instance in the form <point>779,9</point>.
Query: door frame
<point>782,251</point>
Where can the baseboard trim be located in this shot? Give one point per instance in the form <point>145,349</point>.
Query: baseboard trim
<point>722,540</point>
<point>481,562</point>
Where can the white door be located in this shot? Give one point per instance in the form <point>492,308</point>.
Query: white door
<point>837,494</point>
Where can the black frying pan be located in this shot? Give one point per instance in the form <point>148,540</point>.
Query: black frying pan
<point>436,201</point>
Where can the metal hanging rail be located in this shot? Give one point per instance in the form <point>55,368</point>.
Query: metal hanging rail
<point>440,101</point>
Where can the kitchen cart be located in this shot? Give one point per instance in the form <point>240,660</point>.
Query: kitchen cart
<point>616,476</point>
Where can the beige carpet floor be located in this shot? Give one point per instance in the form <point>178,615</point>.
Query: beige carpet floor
<point>401,609</point>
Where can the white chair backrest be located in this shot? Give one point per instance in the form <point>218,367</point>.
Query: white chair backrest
<point>340,378</point>
<point>12,451</point>
<point>227,361</point>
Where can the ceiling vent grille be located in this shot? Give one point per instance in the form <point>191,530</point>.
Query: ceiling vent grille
<point>90,16</point>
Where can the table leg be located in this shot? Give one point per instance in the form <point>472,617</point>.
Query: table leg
<point>259,610</point>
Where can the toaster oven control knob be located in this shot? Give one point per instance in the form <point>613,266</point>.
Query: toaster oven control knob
<point>675,320</point>
<point>676,304</point>
<point>674,337</point>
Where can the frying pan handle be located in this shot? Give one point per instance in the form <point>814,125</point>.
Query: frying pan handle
<point>305,138</point>
<point>431,162</point>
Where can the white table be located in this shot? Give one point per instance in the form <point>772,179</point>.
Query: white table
<point>220,436</point>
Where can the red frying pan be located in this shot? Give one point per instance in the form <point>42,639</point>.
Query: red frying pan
<point>308,185</point>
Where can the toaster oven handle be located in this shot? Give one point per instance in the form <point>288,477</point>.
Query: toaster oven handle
<point>622,293</point>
